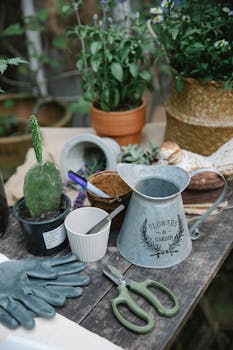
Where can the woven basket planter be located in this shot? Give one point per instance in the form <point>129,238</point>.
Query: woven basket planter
<point>200,119</point>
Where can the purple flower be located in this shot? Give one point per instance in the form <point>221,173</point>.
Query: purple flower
<point>79,200</point>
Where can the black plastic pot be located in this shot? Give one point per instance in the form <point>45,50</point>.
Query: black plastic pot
<point>44,237</point>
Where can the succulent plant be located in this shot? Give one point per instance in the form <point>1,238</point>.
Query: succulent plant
<point>134,154</point>
<point>42,182</point>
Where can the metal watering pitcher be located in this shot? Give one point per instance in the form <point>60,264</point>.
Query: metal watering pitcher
<point>154,232</point>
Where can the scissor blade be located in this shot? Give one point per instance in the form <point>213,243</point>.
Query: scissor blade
<point>113,273</point>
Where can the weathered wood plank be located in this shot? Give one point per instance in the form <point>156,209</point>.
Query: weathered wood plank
<point>12,245</point>
<point>188,280</point>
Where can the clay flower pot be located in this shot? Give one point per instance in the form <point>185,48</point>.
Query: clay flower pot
<point>43,237</point>
<point>124,127</point>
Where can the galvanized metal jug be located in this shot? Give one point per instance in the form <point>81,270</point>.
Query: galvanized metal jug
<point>154,232</point>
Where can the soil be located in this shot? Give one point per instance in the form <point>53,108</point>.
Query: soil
<point>24,213</point>
<point>123,108</point>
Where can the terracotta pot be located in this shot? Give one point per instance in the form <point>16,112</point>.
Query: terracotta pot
<point>200,118</point>
<point>13,148</point>
<point>124,127</point>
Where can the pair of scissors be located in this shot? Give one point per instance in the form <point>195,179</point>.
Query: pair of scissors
<point>141,288</point>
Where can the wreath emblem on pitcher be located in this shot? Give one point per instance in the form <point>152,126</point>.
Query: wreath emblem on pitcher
<point>155,248</point>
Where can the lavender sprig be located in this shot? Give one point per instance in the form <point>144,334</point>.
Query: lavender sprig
<point>86,171</point>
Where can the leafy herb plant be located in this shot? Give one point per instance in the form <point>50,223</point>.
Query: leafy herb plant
<point>196,36</point>
<point>28,50</point>
<point>114,59</point>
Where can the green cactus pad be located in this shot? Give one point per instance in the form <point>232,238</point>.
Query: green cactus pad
<point>36,138</point>
<point>42,188</point>
<point>42,182</point>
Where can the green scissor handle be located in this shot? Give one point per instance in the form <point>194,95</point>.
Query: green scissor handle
<point>141,288</point>
<point>124,298</point>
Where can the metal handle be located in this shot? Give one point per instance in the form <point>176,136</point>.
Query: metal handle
<point>142,289</point>
<point>124,298</point>
<point>193,231</point>
<point>105,220</point>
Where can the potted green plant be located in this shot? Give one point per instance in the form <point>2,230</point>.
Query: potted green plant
<point>195,36</point>
<point>30,96</point>
<point>43,208</point>
<point>114,62</point>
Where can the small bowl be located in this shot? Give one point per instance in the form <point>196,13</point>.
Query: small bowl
<point>120,193</point>
<point>92,247</point>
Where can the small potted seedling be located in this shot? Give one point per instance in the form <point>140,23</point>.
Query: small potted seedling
<point>42,210</point>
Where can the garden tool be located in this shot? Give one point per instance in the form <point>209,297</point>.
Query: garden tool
<point>31,287</point>
<point>125,285</point>
<point>97,227</point>
<point>86,185</point>
<point>154,232</point>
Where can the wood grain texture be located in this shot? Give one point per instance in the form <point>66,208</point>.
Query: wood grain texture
<point>188,280</point>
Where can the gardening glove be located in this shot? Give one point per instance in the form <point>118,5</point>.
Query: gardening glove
<point>30,287</point>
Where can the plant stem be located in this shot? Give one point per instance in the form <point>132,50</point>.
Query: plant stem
<point>75,6</point>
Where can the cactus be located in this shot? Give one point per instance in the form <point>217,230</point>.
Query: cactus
<point>42,182</point>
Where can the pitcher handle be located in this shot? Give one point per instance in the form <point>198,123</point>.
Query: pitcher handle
<point>194,231</point>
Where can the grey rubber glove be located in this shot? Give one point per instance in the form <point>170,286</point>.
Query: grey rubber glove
<point>31,287</point>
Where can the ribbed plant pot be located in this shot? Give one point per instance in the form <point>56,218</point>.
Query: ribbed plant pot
<point>125,127</point>
<point>44,237</point>
<point>200,118</point>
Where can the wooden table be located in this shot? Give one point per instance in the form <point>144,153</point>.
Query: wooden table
<point>188,280</point>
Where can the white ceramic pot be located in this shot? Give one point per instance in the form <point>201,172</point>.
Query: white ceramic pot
<point>92,247</point>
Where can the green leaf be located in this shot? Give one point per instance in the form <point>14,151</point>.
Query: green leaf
<point>117,71</point>
<point>59,42</point>
<point>116,97</point>
<point>13,29</point>
<point>133,68</point>
<point>108,55</point>
<point>82,106</point>
<point>145,75</point>
<point>228,85</point>
<point>165,68</point>
<point>65,10</point>
<point>3,66</point>
<point>43,14</point>
<point>16,60</point>
<point>9,103</point>
<point>174,32</point>
<point>79,64</point>
<point>179,84</point>
<point>198,46</point>
<point>125,52</point>
<point>10,61</point>
<point>95,47</point>
<point>95,63</point>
